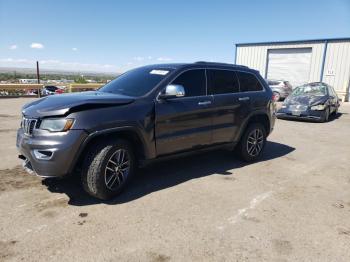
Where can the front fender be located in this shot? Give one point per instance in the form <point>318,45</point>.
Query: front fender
<point>148,148</point>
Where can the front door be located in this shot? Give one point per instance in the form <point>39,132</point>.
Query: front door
<point>184,123</point>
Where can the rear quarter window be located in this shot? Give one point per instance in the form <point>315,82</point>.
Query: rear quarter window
<point>249,82</point>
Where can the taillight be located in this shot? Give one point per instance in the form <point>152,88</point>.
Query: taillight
<point>274,97</point>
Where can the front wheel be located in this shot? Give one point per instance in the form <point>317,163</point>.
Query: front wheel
<point>325,116</point>
<point>252,142</point>
<point>108,168</point>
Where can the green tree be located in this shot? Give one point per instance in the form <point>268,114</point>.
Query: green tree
<point>80,80</point>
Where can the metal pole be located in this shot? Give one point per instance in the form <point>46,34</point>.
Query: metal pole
<point>235,54</point>
<point>38,76</point>
<point>323,59</point>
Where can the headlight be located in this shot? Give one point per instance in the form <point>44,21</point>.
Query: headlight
<point>318,107</point>
<point>283,106</point>
<point>56,125</point>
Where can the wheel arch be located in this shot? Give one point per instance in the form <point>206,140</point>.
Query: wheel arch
<point>256,117</point>
<point>131,134</point>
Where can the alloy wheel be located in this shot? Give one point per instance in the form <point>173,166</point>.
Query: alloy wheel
<point>255,142</point>
<point>117,169</point>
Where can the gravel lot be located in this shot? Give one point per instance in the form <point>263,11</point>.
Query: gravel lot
<point>294,205</point>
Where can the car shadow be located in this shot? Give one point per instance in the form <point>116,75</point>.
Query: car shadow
<point>333,117</point>
<point>165,174</point>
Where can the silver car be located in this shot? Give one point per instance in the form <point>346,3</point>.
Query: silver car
<point>280,88</point>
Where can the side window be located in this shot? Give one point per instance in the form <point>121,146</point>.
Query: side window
<point>193,81</point>
<point>222,82</point>
<point>248,82</point>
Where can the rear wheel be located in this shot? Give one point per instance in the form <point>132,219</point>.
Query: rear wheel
<point>252,142</point>
<point>108,168</point>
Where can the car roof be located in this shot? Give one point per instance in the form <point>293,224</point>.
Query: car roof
<point>200,64</point>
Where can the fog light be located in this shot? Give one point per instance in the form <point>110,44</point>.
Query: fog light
<point>43,154</point>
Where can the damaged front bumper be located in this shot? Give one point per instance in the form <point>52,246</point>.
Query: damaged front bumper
<point>306,114</point>
<point>49,154</point>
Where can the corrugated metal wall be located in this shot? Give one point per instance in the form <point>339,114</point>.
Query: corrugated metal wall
<point>337,66</point>
<point>337,63</point>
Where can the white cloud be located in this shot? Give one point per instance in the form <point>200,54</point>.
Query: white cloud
<point>139,58</point>
<point>142,58</point>
<point>13,47</point>
<point>74,49</point>
<point>164,59</point>
<point>49,62</point>
<point>11,60</point>
<point>37,46</point>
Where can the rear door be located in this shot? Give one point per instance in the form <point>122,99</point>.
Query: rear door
<point>184,123</point>
<point>251,91</point>
<point>227,108</point>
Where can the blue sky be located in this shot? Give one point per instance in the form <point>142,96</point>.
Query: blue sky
<point>113,36</point>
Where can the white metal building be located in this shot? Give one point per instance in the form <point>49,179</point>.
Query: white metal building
<point>299,62</point>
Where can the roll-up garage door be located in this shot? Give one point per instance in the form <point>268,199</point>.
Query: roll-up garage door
<point>291,64</point>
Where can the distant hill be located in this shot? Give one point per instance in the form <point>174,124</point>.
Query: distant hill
<point>12,75</point>
<point>55,72</point>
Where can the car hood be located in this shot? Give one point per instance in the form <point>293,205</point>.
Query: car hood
<point>307,100</point>
<point>64,104</point>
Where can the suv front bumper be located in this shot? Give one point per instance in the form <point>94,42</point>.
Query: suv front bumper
<point>61,149</point>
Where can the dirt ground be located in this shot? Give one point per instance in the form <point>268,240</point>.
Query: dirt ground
<point>294,205</point>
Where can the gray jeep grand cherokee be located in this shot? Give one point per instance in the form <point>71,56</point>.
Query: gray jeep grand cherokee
<point>148,113</point>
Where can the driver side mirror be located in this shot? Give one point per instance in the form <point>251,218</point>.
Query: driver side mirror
<point>172,91</point>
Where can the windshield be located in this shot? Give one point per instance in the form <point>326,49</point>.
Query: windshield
<point>310,89</point>
<point>136,82</point>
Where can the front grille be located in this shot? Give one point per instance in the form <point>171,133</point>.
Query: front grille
<point>28,125</point>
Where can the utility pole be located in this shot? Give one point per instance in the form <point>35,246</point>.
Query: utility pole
<point>38,76</point>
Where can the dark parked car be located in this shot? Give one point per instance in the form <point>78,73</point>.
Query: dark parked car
<point>280,88</point>
<point>148,113</point>
<point>48,90</point>
<point>314,101</point>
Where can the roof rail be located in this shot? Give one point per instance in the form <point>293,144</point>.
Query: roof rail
<point>219,63</point>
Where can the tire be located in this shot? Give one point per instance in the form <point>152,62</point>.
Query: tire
<point>335,111</point>
<point>103,176</point>
<point>244,148</point>
<point>325,116</point>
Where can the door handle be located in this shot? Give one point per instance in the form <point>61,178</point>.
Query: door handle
<point>246,98</point>
<point>204,103</point>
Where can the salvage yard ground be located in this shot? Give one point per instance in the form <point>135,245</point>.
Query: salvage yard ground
<point>294,205</point>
